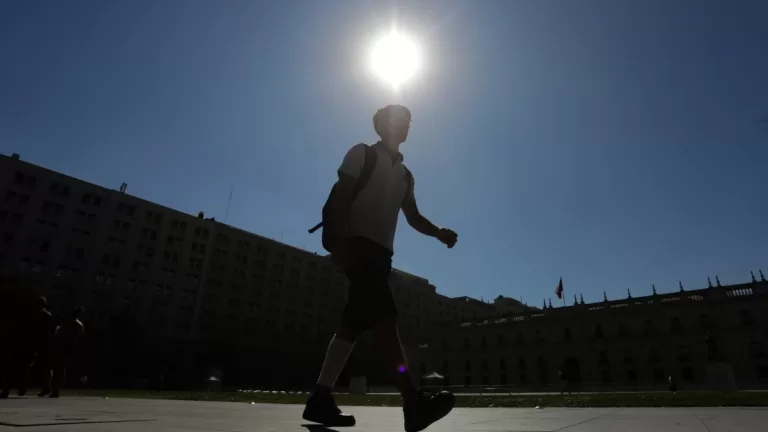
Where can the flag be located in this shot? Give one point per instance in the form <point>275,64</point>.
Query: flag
<point>559,290</point>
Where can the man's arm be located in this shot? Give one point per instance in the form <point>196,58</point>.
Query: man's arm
<point>415,218</point>
<point>422,224</point>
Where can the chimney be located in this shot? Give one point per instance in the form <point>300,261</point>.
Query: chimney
<point>15,156</point>
<point>123,187</point>
<point>201,215</point>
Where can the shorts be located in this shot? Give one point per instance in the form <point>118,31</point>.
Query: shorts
<point>370,299</point>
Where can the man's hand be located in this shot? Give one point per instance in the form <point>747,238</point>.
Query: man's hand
<point>447,237</point>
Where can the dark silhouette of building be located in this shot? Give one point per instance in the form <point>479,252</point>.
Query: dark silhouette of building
<point>637,342</point>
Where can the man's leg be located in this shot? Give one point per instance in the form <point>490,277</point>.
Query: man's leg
<point>387,336</point>
<point>336,357</point>
<point>420,409</point>
<point>321,408</point>
<point>59,372</point>
<point>46,374</point>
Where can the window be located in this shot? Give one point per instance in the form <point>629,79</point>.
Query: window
<point>624,330</point>
<point>567,335</point>
<point>483,343</point>
<point>648,329</point>
<point>520,338</point>
<point>674,325</point>
<point>599,332</point>
<point>466,343</point>
<point>467,366</point>
<point>484,364</point>
<point>86,199</point>
<point>503,379</point>
<point>658,375</point>
<point>747,320</point>
<point>604,358</point>
<point>521,363</point>
<point>18,178</point>
<point>126,209</point>
<point>502,364</point>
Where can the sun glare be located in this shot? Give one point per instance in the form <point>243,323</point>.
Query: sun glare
<point>395,58</point>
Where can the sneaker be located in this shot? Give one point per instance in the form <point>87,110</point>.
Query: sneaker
<point>426,409</point>
<point>43,393</point>
<point>54,395</point>
<point>321,408</point>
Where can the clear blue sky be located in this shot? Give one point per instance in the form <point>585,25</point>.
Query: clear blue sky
<point>614,143</point>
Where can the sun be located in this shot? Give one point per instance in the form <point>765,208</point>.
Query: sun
<point>395,58</point>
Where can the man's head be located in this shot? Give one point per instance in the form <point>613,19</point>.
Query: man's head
<point>77,312</point>
<point>42,302</point>
<point>392,123</point>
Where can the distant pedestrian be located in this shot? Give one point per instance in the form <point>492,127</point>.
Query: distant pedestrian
<point>359,222</point>
<point>63,349</point>
<point>564,385</point>
<point>672,386</point>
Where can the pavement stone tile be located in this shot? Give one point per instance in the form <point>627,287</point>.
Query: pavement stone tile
<point>136,415</point>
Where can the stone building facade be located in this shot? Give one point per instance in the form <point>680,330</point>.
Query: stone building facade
<point>630,343</point>
<point>261,307</point>
<point>207,294</point>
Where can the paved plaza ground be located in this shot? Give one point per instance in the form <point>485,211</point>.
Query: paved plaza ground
<point>136,415</point>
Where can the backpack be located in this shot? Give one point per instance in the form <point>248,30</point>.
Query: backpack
<point>371,157</point>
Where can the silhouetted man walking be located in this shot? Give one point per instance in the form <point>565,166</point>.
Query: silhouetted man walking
<point>63,349</point>
<point>363,221</point>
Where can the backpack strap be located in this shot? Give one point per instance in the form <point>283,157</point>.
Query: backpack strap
<point>371,158</point>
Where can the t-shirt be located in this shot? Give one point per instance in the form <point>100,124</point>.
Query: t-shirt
<point>374,212</point>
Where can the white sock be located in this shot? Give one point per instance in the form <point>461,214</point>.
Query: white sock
<point>335,359</point>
